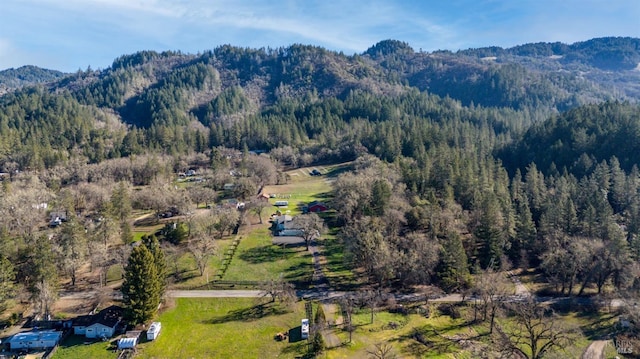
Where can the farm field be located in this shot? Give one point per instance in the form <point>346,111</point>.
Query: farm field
<point>257,259</point>
<point>225,328</point>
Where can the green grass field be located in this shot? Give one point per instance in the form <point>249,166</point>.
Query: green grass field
<point>189,275</point>
<point>224,328</point>
<point>256,259</point>
<point>76,347</point>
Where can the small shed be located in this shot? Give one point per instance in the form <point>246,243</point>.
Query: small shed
<point>281,203</point>
<point>127,343</point>
<point>154,330</point>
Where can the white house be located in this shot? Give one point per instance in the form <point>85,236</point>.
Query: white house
<point>101,325</point>
<point>154,330</point>
<point>35,340</point>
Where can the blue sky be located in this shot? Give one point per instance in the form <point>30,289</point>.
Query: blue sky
<point>70,34</point>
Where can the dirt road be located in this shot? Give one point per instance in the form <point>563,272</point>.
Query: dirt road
<point>595,350</point>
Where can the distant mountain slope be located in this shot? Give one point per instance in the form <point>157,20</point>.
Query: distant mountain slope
<point>173,87</point>
<point>606,53</point>
<point>611,62</point>
<point>26,75</point>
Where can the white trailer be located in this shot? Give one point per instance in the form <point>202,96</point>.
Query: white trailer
<point>154,330</point>
<point>304,329</point>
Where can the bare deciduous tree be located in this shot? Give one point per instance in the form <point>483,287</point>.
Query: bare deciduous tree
<point>382,351</point>
<point>201,247</point>
<point>492,288</point>
<point>278,289</point>
<point>258,207</point>
<point>311,226</point>
<point>537,331</point>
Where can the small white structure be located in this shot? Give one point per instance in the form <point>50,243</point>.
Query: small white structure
<point>304,329</point>
<point>154,330</point>
<point>127,343</point>
<point>35,340</point>
<point>281,203</point>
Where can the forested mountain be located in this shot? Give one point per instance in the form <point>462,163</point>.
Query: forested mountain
<point>11,79</point>
<point>307,97</point>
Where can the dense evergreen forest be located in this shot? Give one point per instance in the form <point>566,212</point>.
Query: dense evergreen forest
<point>462,161</point>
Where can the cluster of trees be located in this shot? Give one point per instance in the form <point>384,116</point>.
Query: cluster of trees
<point>581,232</point>
<point>95,203</point>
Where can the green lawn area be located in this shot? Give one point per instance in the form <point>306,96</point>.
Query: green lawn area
<point>256,259</point>
<point>400,331</point>
<point>337,270</point>
<point>77,347</point>
<point>302,189</point>
<point>189,275</point>
<point>224,328</point>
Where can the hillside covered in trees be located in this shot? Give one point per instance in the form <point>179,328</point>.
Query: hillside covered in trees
<point>462,161</point>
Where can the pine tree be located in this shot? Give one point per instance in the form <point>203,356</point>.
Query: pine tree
<point>142,288</point>
<point>525,234</point>
<point>453,270</point>
<point>489,233</point>
<point>151,242</point>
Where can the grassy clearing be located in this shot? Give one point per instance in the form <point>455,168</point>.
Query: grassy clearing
<point>410,335</point>
<point>257,259</point>
<point>337,270</point>
<point>224,328</point>
<point>188,273</point>
<point>76,347</point>
<point>304,188</point>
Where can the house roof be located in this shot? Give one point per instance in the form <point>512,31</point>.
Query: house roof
<point>83,321</point>
<point>284,219</point>
<point>109,316</point>
<point>33,336</point>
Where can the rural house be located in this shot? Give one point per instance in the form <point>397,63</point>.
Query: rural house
<point>101,325</point>
<point>35,340</point>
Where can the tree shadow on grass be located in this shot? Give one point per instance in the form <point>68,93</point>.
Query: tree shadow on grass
<point>256,312</point>
<point>267,253</point>
<point>300,274</point>
<point>77,340</point>
<point>601,326</point>
<point>426,340</point>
